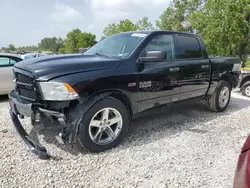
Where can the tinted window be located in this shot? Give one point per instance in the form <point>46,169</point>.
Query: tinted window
<point>4,61</point>
<point>162,43</point>
<point>189,47</point>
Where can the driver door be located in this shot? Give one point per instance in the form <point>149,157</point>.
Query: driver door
<point>159,82</point>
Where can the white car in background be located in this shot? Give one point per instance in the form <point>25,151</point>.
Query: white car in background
<point>6,74</point>
<point>31,55</point>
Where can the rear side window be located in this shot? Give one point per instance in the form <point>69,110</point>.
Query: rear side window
<point>189,47</point>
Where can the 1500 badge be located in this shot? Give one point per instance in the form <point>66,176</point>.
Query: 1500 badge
<point>144,84</point>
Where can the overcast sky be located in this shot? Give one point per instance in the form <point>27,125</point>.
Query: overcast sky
<point>26,22</point>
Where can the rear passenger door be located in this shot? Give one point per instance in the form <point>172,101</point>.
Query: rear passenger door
<point>195,69</point>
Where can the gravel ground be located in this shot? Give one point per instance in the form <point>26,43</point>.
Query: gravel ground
<point>180,147</point>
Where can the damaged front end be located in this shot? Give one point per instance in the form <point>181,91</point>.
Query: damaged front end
<point>26,101</point>
<point>49,116</point>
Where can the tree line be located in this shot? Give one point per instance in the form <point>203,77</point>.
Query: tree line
<point>224,26</point>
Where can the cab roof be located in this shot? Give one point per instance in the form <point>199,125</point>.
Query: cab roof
<point>158,31</point>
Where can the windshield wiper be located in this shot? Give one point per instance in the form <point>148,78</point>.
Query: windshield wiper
<point>101,54</point>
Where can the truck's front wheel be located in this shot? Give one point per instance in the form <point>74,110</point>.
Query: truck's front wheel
<point>104,125</point>
<point>220,99</point>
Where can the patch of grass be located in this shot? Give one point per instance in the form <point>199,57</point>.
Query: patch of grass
<point>248,63</point>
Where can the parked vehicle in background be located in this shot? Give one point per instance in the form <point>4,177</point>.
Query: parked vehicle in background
<point>6,74</point>
<point>242,173</point>
<point>82,50</point>
<point>244,82</point>
<point>91,98</point>
<point>31,55</point>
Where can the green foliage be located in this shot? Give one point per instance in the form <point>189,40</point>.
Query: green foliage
<point>144,25</point>
<point>76,39</point>
<point>51,44</point>
<point>123,26</point>
<point>127,25</point>
<point>247,63</point>
<point>86,40</point>
<point>28,48</point>
<point>72,40</point>
<point>175,17</point>
<point>12,47</point>
<point>224,26</point>
<point>61,50</point>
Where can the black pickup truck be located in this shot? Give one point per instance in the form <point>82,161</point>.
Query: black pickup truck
<point>91,98</point>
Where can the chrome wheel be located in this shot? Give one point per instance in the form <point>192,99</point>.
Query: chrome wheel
<point>224,97</point>
<point>105,126</point>
<point>247,91</point>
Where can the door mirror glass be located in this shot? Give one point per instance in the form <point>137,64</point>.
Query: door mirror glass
<point>154,56</point>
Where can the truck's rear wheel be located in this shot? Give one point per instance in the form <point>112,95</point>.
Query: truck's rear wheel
<point>246,90</point>
<point>104,125</point>
<point>220,99</point>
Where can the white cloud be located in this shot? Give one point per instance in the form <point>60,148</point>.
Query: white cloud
<point>95,15</point>
<point>64,13</point>
<point>112,11</point>
<point>117,9</point>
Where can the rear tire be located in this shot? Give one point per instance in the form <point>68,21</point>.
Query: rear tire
<point>220,99</point>
<point>94,130</point>
<point>246,90</point>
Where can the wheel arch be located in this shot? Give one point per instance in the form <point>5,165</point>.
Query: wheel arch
<point>228,78</point>
<point>77,108</point>
<point>215,82</point>
<point>120,95</point>
<point>245,80</point>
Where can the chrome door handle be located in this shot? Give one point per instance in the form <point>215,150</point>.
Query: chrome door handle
<point>175,69</point>
<point>205,66</point>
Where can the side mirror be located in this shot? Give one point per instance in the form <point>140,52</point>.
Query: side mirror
<point>154,56</point>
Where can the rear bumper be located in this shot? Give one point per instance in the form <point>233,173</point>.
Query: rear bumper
<point>20,109</point>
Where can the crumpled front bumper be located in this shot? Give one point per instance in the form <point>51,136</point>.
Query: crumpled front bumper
<point>18,108</point>
<point>35,147</point>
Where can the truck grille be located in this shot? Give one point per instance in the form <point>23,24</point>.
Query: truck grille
<point>25,87</point>
<point>23,78</point>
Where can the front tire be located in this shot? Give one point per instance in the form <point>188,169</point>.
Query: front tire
<point>246,90</point>
<point>220,99</point>
<point>104,125</point>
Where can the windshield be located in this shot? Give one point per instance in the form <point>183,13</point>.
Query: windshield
<point>121,45</point>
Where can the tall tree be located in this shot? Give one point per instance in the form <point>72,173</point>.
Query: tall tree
<point>175,17</point>
<point>144,24</point>
<point>51,44</point>
<point>224,26</point>
<point>76,39</point>
<point>123,26</point>
<point>72,40</point>
<point>12,47</point>
<point>86,40</point>
<point>59,44</point>
<point>110,30</point>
